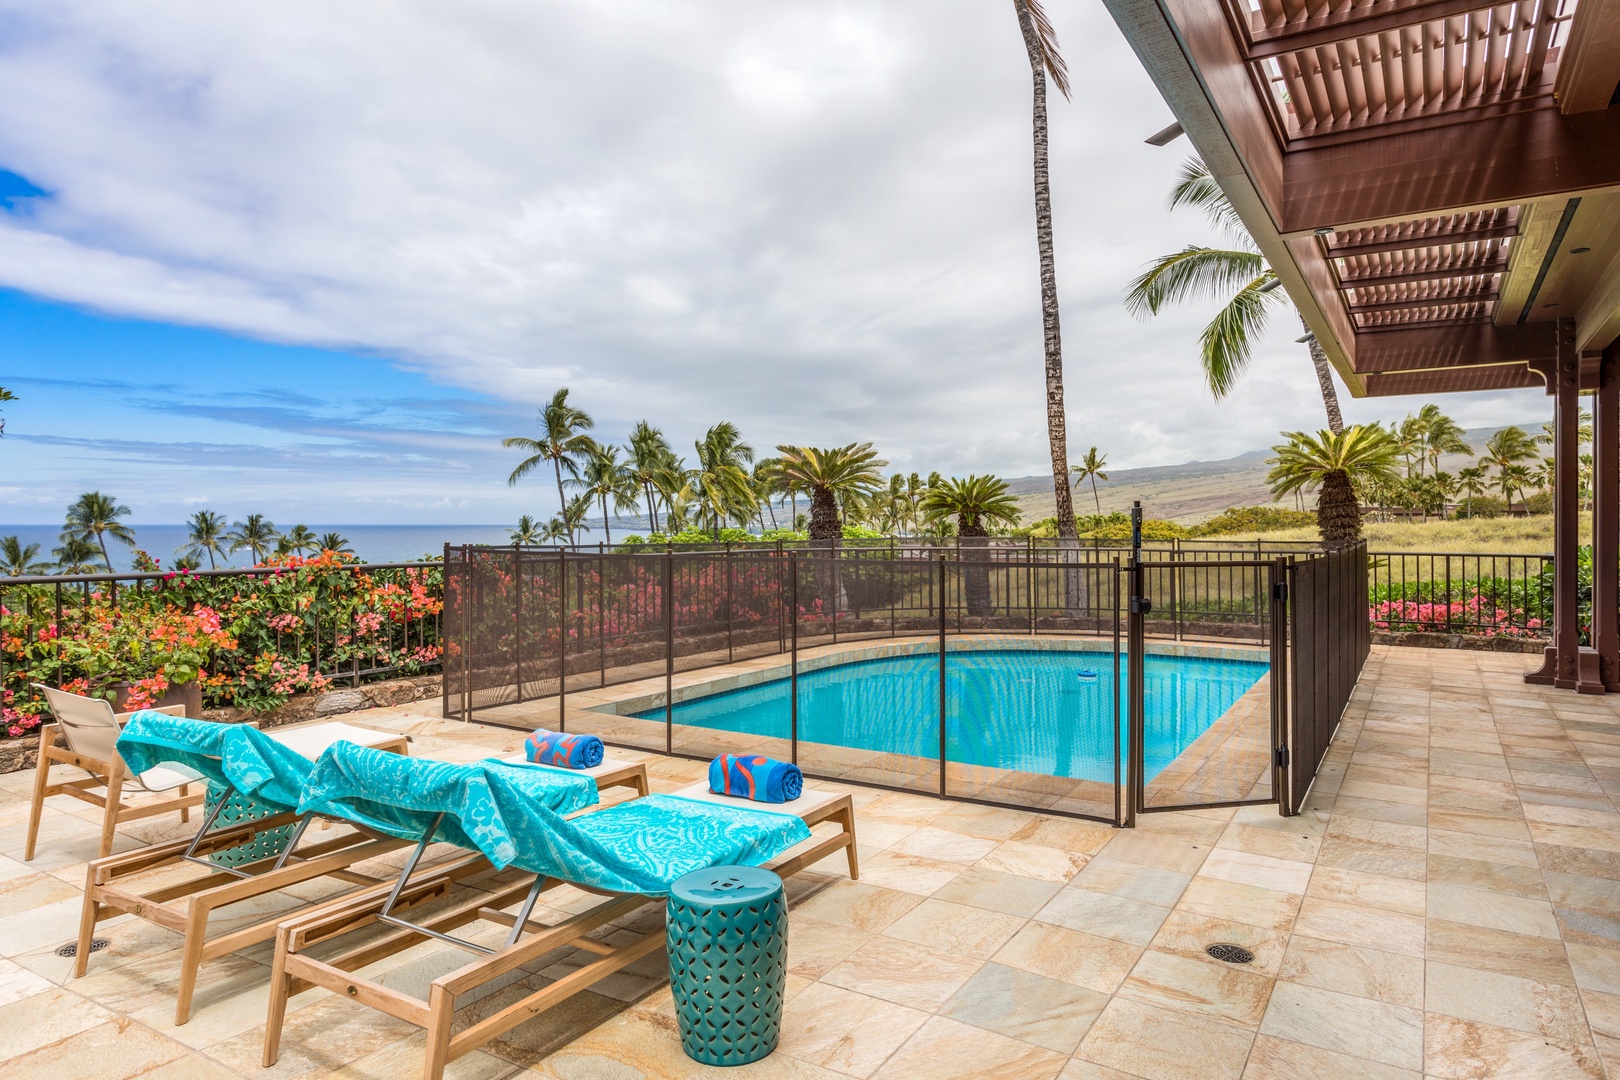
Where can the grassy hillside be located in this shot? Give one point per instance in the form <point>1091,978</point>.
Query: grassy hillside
<point>1195,490</point>
<point>1506,536</point>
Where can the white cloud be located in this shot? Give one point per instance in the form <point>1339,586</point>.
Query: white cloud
<point>813,218</point>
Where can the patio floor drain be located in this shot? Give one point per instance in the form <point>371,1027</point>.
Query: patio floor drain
<point>1232,954</point>
<point>72,947</point>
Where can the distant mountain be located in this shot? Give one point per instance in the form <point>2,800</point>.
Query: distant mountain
<point>1195,490</point>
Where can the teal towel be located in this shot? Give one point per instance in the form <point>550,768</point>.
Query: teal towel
<point>487,806</point>
<point>644,845</point>
<point>513,815</point>
<point>237,755</point>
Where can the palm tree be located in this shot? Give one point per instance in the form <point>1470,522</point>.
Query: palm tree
<point>573,517</point>
<point>1193,273</point>
<point>720,485</point>
<point>76,555</point>
<point>1408,437</point>
<point>528,533</point>
<point>1091,468</point>
<point>605,477</point>
<point>205,535</point>
<point>20,560</point>
<point>335,541</point>
<point>256,534</point>
<point>5,395</point>
<point>651,461</point>
<point>301,539</point>
<point>1507,450</point>
<point>94,517</point>
<point>827,475</point>
<point>1471,482</point>
<point>563,441</point>
<point>1515,478</point>
<point>1337,463</point>
<point>1040,43</point>
<point>764,480</point>
<point>1441,435</point>
<point>973,502</point>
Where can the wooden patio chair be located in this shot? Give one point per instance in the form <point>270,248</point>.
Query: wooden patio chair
<point>302,959</point>
<point>91,729</point>
<point>142,882</point>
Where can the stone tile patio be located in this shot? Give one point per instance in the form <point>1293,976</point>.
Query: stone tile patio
<point>1448,906</point>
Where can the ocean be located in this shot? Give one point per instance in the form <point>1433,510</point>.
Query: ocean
<point>373,543</point>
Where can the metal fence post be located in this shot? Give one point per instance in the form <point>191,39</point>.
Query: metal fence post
<point>793,663</point>
<point>669,651</point>
<point>444,661</point>
<point>517,619</point>
<point>562,640</point>
<point>942,572</point>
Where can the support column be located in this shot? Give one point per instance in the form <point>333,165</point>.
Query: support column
<point>1606,518</point>
<point>1565,663</point>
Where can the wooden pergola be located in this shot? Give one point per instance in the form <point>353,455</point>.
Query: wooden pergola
<point>1437,184</point>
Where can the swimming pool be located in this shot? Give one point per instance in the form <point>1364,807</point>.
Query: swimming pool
<point>1030,710</point>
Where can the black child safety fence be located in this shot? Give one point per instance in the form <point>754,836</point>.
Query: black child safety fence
<point>1093,682</point>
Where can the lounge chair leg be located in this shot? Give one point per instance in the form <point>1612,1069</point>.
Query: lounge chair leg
<point>441,1011</point>
<point>109,819</point>
<point>191,960</point>
<point>280,991</point>
<point>89,915</point>
<point>848,818</point>
<point>185,811</point>
<point>42,780</point>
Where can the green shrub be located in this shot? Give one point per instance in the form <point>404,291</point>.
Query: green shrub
<point>1244,519</point>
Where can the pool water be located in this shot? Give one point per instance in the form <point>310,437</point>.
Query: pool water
<point>1037,711</point>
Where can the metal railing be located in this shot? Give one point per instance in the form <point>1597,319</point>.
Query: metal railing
<point>526,624</point>
<point>1470,593</point>
<point>352,623</point>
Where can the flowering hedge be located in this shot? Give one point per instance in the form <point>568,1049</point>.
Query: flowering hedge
<point>249,640</point>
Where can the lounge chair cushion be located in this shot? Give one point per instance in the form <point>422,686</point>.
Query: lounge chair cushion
<point>486,806</point>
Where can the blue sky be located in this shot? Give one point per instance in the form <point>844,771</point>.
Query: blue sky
<point>170,418</point>
<point>315,259</point>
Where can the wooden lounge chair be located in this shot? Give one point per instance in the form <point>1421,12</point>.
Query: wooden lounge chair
<point>91,729</point>
<point>142,883</point>
<point>297,967</point>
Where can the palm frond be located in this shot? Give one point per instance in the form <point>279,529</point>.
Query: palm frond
<point>1046,41</point>
<point>1229,340</point>
<point>1194,273</point>
<point>1196,187</point>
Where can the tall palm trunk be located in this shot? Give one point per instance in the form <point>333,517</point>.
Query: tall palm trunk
<point>606,532</point>
<point>1324,379</point>
<point>1056,423</point>
<point>562,502</point>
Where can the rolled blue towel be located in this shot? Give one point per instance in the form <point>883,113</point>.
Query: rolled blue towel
<point>563,751</point>
<point>756,777</point>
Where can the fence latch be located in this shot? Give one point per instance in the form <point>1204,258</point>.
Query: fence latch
<point>1141,605</point>
<point>1281,755</point>
<point>1279,590</point>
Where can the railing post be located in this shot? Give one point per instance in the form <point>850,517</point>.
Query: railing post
<point>601,618</point>
<point>669,651</point>
<point>517,619</point>
<point>562,639</point>
<point>793,662</point>
<point>730,651</point>
<point>1281,737</point>
<point>942,691</point>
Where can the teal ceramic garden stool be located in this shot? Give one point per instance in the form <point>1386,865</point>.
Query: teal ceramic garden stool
<point>728,962</point>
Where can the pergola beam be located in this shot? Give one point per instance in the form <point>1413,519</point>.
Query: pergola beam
<point>1451,380</point>
<point>1343,26</point>
<point>1407,277</point>
<point>1424,302</point>
<point>1426,348</point>
<point>1589,68</point>
<point>1499,161</point>
<point>1473,235</point>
